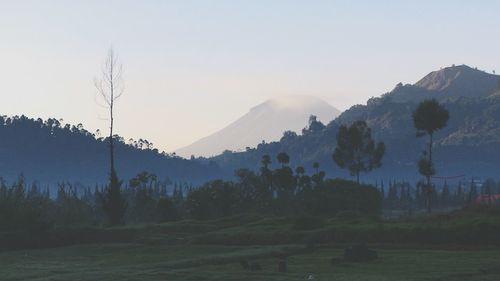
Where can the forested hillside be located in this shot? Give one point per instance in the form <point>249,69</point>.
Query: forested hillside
<point>50,152</point>
<point>469,145</point>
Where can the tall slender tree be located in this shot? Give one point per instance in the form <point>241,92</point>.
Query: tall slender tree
<point>110,87</point>
<point>284,182</point>
<point>265,172</point>
<point>429,117</point>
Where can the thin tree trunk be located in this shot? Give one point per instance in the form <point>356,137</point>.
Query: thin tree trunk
<point>429,183</point>
<point>111,148</point>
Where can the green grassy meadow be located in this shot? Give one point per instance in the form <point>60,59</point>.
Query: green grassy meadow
<point>195,262</point>
<point>211,250</point>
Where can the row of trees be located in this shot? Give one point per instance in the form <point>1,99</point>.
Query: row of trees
<point>52,127</point>
<point>32,208</point>
<point>280,191</point>
<point>405,196</point>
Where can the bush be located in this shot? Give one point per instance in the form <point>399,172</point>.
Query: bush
<point>213,200</point>
<point>335,196</point>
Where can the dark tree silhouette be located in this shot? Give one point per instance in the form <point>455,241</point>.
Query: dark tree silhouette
<point>300,171</point>
<point>283,182</point>
<point>266,173</point>
<point>283,158</point>
<point>114,204</point>
<point>316,167</point>
<point>288,136</point>
<point>266,160</point>
<point>356,150</point>
<point>110,87</point>
<point>429,117</point>
<point>314,125</point>
<point>318,177</point>
<point>303,180</point>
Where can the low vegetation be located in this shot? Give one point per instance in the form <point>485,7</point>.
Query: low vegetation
<point>212,250</point>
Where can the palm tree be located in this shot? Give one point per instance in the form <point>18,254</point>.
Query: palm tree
<point>266,160</point>
<point>283,158</point>
<point>316,167</point>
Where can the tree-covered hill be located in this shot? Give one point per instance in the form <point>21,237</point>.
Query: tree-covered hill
<point>50,152</point>
<point>469,145</point>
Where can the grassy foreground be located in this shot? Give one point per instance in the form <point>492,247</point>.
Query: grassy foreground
<point>195,262</point>
<point>464,246</point>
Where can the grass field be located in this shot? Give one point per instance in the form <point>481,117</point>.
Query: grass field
<point>211,250</point>
<point>197,262</point>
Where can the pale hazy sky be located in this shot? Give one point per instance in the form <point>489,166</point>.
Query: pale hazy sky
<point>192,67</point>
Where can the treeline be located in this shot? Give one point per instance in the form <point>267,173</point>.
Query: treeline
<point>405,196</point>
<point>280,191</point>
<point>50,150</point>
<point>26,207</point>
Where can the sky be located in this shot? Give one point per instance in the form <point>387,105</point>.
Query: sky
<point>192,67</point>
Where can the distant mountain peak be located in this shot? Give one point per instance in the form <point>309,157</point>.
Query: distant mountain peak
<point>266,121</point>
<point>457,77</point>
<point>291,102</point>
<point>449,82</point>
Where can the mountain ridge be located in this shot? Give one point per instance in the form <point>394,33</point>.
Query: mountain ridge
<point>264,122</point>
<point>470,144</point>
<point>50,152</point>
<point>449,82</point>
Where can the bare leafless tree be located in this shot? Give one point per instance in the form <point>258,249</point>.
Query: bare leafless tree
<point>110,87</point>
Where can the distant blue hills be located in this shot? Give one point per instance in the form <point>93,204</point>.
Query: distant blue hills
<point>469,145</point>
<point>49,152</point>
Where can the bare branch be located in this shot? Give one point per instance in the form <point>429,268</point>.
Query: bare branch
<point>110,86</point>
<point>96,101</point>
